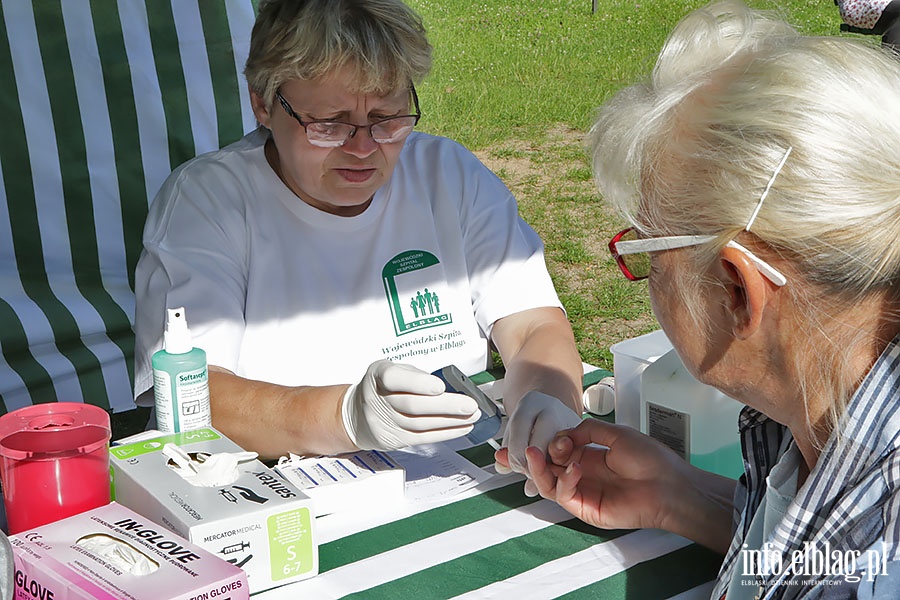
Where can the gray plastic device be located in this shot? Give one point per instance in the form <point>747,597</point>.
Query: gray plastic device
<point>489,424</point>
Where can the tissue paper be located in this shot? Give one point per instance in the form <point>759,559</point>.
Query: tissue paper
<point>206,470</point>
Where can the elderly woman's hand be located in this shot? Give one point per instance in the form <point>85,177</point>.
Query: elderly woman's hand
<point>610,476</point>
<point>534,423</point>
<point>614,477</point>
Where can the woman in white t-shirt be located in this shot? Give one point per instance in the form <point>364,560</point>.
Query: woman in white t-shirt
<point>336,245</point>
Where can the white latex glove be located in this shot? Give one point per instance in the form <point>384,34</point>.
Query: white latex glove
<point>535,422</point>
<point>397,405</point>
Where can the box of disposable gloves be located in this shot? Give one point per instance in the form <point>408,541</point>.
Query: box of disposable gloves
<point>204,487</point>
<point>112,553</point>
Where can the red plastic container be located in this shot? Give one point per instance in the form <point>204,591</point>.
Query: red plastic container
<point>55,462</point>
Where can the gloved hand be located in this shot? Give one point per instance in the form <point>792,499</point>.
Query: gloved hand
<point>535,422</point>
<point>397,405</point>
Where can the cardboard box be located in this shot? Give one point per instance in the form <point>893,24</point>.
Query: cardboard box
<point>258,522</point>
<point>55,561</point>
<point>336,483</point>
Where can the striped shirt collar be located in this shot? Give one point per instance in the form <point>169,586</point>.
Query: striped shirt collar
<point>840,502</point>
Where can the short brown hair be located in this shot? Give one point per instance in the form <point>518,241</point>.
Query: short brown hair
<point>383,40</point>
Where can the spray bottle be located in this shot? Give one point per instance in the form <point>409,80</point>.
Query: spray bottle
<point>180,380</point>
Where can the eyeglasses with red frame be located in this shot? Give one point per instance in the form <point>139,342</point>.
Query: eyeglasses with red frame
<point>632,253</point>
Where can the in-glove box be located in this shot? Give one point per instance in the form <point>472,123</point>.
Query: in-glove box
<point>57,561</point>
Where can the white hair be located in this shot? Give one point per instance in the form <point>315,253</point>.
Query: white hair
<point>691,149</point>
<point>732,89</point>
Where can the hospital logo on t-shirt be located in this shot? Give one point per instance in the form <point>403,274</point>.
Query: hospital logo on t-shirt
<point>414,301</point>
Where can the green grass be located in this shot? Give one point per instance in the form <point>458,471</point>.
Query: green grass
<point>519,82</point>
<point>512,67</point>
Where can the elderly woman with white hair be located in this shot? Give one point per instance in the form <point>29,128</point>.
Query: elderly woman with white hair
<point>760,172</point>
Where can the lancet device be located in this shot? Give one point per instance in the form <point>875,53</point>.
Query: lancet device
<point>489,424</point>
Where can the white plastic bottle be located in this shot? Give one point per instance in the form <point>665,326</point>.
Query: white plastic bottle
<point>696,420</point>
<point>180,379</point>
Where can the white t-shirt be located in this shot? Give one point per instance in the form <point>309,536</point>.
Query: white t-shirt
<point>276,290</point>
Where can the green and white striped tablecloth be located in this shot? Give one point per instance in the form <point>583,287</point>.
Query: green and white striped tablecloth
<point>494,542</point>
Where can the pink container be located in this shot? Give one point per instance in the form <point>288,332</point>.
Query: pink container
<point>55,462</point>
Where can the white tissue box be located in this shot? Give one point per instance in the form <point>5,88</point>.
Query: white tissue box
<point>258,522</point>
<point>53,561</point>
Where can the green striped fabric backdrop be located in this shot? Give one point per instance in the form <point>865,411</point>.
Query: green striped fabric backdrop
<point>101,100</point>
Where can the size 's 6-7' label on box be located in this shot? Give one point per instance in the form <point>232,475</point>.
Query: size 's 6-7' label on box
<point>290,543</point>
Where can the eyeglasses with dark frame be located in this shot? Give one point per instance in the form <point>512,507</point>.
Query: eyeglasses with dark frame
<point>326,133</point>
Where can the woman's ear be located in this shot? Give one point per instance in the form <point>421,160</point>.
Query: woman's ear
<point>748,292</point>
<point>260,110</point>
